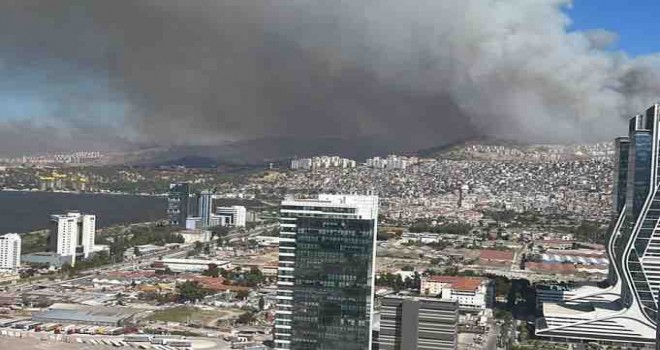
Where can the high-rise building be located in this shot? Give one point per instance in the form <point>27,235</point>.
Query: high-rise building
<point>72,235</point>
<point>179,204</point>
<point>326,273</point>
<point>627,311</point>
<point>232,216</point>
<point>205,207</point>
<point>411,323</point>
<point>10,251</point>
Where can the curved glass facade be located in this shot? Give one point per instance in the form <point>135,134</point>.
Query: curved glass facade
<point>637,249</point>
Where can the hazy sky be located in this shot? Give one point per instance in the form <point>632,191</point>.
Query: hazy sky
<point>96,74</point>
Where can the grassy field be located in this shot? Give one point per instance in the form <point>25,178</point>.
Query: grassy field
<point>185,314</point>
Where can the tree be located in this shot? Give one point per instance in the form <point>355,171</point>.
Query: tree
<point>212,271</point>
<point>198,247</point>
<point>191,291</point>
<point>242,294</point>
<point>246,318</point>
<point>262,303</point>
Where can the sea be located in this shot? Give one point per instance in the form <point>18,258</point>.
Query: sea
<point>22,211</point>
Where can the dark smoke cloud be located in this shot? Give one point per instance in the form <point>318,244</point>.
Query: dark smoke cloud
<point>409,73</point>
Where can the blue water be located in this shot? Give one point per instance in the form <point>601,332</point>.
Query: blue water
<point>29,211</point>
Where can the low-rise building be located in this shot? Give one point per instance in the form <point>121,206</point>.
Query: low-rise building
<point>192,236</point>
<point>469,292</point>
<point>190,265</point>
<point>77,314</point>
<point>561,244</point>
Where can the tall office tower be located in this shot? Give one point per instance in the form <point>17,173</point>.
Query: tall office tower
<point>10,251</point>
<point>326,273</point>
<point>205,207</point>
<point>627,311</point>
<point>179,204</point>
<point>72,235</point>
<point>235,215</point>
<point>410,323</point>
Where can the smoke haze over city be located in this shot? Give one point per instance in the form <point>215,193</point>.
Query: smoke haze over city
<point>407,74</point>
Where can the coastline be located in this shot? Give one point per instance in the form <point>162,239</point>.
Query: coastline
<point>9,189</point>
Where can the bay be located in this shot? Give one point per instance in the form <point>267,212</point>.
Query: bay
<point>22,212</point>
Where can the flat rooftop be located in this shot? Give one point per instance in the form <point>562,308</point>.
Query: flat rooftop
<point>73,312</point>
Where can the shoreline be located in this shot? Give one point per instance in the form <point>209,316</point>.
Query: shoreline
<point>8,189</point>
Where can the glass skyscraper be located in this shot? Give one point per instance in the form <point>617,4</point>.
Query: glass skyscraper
<point>326,273</point>
<point>178,203</point>
<point>626,311</point>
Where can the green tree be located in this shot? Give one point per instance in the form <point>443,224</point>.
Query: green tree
<point>191,291</point>
<point>212,271</point>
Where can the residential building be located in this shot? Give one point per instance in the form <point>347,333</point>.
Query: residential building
<point>326,273</point>
<point>72,235</point>
<point>633,248</point>
<point>322,162</point>
<point>470,292</point>
<point>232,216</point>
<point>179,204</point>
<point>412,323</point>
<point>391,162</point>
<point>10,251</point>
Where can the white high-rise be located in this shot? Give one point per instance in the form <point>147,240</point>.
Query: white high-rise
<point>10,251</point>
<point>73,235</point>
<point>235,215</point>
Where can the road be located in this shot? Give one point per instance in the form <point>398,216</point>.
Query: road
<point>144,262</point>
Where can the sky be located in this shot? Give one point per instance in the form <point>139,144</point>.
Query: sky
<point>635,22</point>
<point>387,75</point>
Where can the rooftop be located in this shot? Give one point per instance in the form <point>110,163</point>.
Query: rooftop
<point>82,313</point>
<point>499,255</point>
<point>468,284</point>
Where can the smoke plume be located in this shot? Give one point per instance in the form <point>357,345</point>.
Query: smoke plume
<point>411,74</point>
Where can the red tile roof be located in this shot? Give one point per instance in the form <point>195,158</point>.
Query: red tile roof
<point>469,284</point>
<point>496,255</point>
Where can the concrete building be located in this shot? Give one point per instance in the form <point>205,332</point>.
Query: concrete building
<point>470,292</point>
<point>411,323</point>
<point>391,162</point>
<point>322,162</point>
<point>326,273</point>
<point>190,265</point>
<point>179,204</point>
<point>10,251</point>
<point>232,216</point>
<point>72,235</point>
<point>205,207</point>
<point>192,236</point>
<point>193,223</point>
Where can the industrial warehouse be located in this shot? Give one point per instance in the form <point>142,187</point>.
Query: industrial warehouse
<point>95,316</point>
